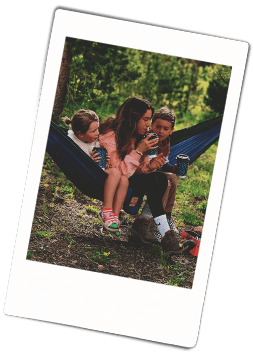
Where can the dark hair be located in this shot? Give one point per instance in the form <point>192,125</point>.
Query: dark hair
<point>166,114</point>
<point>124,124</point>
<point>81,120</point>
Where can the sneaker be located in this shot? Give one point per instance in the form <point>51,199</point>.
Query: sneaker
<point>109,225</point>
<point>141,228</point>
<point>172,224</point>
<point>171,244</point>
<point>154,231</point>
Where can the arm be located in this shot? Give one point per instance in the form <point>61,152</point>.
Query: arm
<point>167,167</point>
<point>130,163</point>
<point>148,166</point>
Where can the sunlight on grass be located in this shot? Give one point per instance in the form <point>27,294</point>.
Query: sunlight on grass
<point>193,191</point>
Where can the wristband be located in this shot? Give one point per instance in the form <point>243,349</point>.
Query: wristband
<point>141,154</point>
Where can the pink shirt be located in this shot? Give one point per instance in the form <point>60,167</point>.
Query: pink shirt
<point>133,162</point>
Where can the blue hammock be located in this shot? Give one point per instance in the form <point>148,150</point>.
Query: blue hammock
<point>89,178</point>
<point>196,145</point>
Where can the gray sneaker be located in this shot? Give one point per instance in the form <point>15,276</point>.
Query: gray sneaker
<point>172,224</point>
<point>154,230</point>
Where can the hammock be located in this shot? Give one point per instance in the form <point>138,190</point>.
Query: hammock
<point>89,178</point>
<point>195,140</point>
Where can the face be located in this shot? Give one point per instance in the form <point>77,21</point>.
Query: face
<point>91,134</point>
<point>163,128</point>
<point>144,122</point>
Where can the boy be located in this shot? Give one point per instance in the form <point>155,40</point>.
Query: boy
<point>163,125</point>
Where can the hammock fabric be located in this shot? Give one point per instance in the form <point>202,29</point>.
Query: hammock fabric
<point>89,178</point>
<point>195,140</point>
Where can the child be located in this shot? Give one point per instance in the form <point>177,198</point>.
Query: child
<point>163,125</point>
<point>122,136</point>
<point>85,133</point>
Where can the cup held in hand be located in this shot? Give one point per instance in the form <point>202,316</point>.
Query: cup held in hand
<point>182,165</point>
<point>151,153</point>
<point>102,153</point>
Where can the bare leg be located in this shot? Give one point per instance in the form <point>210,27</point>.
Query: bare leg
<point>120,194</point>
<point>110,186</point>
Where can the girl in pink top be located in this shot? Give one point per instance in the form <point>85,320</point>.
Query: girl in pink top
<point>119,136</point>
<point>122,136</point>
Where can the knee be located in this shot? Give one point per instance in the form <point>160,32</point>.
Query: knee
<point>158,178</point>
<point>173,180</point>
<point>114,172</point>
<point>124,181</point>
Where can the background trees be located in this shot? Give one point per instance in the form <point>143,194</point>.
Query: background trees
<point>101,77</point>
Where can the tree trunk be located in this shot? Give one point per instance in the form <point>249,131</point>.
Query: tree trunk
<point>61,89</point>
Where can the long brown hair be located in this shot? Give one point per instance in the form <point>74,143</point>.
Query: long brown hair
<point>124,124</point>
<point>165,113</point>
<point>81,120</point>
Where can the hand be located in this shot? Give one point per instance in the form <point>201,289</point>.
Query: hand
<point>158,161</point>
<point>95,156</point>
<point>107,157</point>
<point>146,145</point>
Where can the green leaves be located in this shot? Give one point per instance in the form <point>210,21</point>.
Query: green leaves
<point>44,234</point>
<point>100,256</point>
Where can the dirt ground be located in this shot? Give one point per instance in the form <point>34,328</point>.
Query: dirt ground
<point>67,232</point>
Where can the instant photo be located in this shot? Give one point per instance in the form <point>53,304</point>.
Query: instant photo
<point>69,265</point>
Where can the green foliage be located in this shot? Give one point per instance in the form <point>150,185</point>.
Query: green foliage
<point>103,76</point>
<point>91,209</point>
<point>175,281</point>
<point>69,240</point>
<point>100,256</point>
<point>95,70</point>
<point>176,274</point>
<point>44,234</point>
<point>29,255</point>
<point>202,207</point>
<point>218,87</point>
<point>67,189</point>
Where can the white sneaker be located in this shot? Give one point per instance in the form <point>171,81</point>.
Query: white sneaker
<point>172,225</point>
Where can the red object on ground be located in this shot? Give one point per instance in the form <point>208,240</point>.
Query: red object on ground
<point>195,250</point>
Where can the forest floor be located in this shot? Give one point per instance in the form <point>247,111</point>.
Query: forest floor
<point>69,235</point>
<point>66,232</point>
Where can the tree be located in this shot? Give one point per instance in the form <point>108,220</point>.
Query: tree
<point>63,79</point>
<point>218,88</point>
<point>96,72</point>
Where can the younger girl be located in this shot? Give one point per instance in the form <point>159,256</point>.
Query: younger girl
<point>84,133</point>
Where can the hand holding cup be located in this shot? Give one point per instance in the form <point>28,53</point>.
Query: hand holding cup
<point>95,156</point>
<point>99,156</point>
<point>146,144</point>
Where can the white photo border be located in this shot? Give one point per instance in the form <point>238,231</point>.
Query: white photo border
<point>103,302</point>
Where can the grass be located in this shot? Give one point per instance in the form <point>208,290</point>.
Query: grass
<point>176,275</point>
<point>193,191</point>
<point>92,209</point>
<point>29,255</point>
<point>99,255</point>
<point>44,234</point>
<point>69,240</point>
